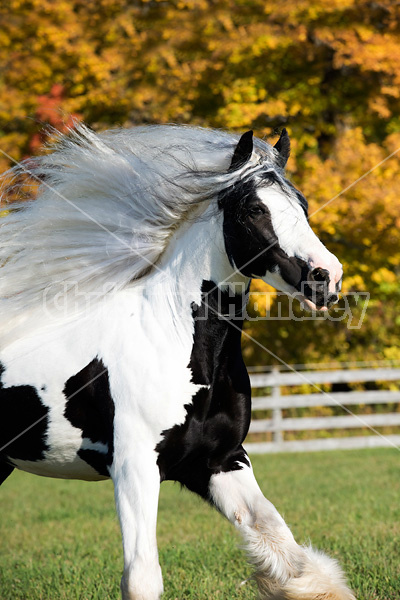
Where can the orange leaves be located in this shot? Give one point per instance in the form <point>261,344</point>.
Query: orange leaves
<point>328,70</point>
<point>361,187</point>
<point>220,63</point>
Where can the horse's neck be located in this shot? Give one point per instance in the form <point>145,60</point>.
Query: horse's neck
<point>200,294</point>
<point>218,325</point>
<point>162,304</point>
<point>197,253</point>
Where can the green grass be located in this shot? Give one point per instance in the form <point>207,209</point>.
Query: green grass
<point>60,539</point>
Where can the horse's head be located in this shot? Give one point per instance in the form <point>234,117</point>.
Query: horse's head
<point>266,229</point>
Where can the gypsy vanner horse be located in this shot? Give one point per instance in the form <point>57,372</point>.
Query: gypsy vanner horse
<point>120,349</point>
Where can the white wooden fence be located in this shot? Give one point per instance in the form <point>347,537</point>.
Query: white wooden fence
<point>276,402</point>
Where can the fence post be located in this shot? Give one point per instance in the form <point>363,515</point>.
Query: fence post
<point>277,435</point>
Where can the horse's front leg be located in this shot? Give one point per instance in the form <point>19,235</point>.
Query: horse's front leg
<point>283,569</point>
<point>137,484</point>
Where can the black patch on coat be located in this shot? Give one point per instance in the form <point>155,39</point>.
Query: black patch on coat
<point>23,423</point>
<point>90,408</point>
<point>218,418</point>
<point>5,471</point>
<point>250,239</point>
<point>251,243</point>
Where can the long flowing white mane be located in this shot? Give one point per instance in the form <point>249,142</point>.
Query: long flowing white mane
<point>106,208</point>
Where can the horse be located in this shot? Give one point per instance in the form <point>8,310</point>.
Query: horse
<point>124,278</point>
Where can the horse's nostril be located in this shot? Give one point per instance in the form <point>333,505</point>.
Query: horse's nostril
<point>333,298</point>
<point>319,275</point>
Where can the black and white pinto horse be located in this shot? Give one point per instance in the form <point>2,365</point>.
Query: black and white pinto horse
<point>120,351</point>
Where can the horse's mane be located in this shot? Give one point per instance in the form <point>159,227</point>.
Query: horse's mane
<point>106,207</point>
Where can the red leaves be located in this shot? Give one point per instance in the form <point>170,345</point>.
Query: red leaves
<point>49,113</point>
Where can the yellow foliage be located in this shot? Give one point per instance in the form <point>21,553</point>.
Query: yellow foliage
<point>328,70</point>
<point>262,297</point>
<point>383,274</point>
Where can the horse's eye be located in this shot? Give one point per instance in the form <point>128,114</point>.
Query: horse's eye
<point>255,211</point>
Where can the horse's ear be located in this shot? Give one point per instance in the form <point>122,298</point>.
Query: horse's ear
<point>283,148</point>
<point>243,151</point>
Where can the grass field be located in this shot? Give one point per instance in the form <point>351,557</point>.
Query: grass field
<point>60,539</point>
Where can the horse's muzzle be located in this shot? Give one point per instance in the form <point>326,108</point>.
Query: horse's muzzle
<point>316,288</point>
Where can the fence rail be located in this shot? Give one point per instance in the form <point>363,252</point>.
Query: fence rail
<point>277,402</point>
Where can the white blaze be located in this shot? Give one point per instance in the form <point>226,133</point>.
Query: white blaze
<point>295,236</point>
